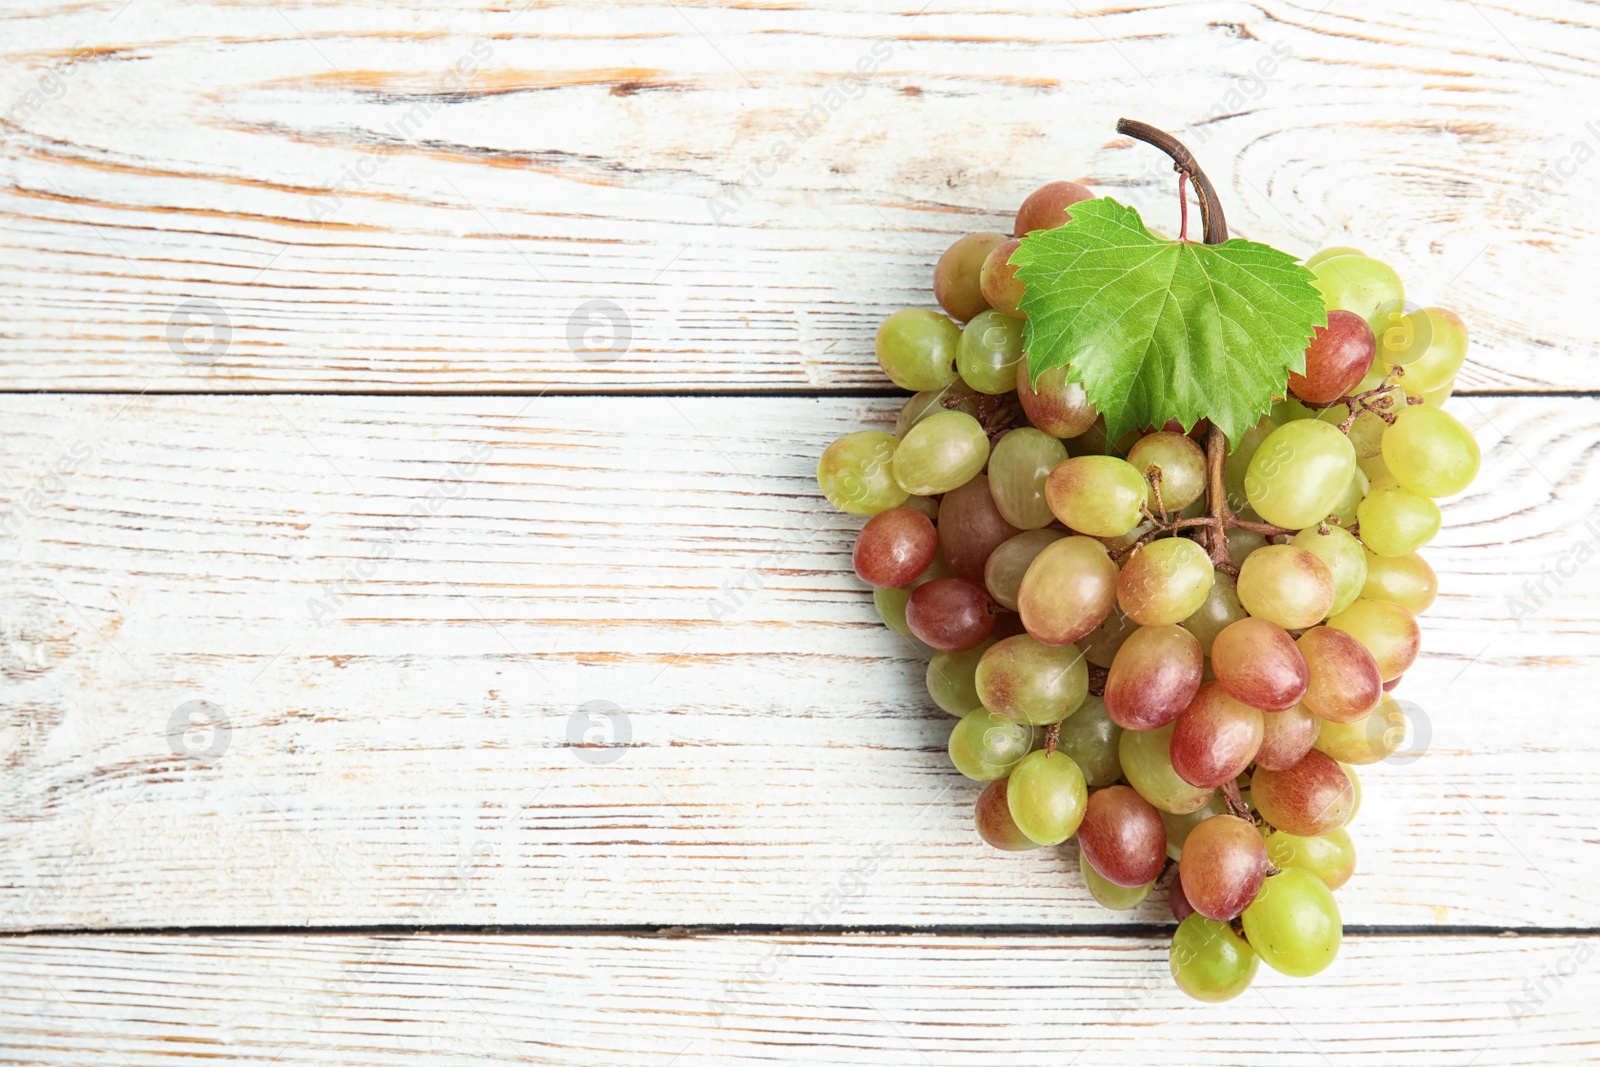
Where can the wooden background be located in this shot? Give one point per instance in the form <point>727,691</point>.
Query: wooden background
<point>310,413</point>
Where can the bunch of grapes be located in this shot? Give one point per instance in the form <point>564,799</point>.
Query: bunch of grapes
<point>1173,646</point>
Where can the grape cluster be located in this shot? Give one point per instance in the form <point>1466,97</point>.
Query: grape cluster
<point>1175,652</point>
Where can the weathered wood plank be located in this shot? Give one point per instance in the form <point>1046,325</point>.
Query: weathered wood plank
<point>363,219</point>
<point>405,606</point>
<point>596,1001</point>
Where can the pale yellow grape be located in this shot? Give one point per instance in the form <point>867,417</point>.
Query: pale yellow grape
<point>1361,284</point>
<point>1181,464</point>
<point>1376,470</point>
<point>1345,509</point>
<point>1096,495</point>
<point>1395,521</point>
<point>1047,797</point>
<point>1430,452</point>
<point>1331,857</point>
<point>1002,573</point>
<point>856,473</point>
<point>917,349</point>
<point>1164,582</point>
<point>1299,473</point>
<point>1404,580</point>
<point>942,452</point>
<point>1436,397</point>
<point>1286,585</point>
<point>1431,343</point>
<point>1018,468</point>
<point>1371,738</point>
<point>1355,784</point>
<point>1330,252</point>
<point>1345,557</point>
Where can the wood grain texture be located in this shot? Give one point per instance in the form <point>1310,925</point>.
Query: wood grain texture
<point>651,1002</point>
<point>403,605</point>
<point>426,197</point>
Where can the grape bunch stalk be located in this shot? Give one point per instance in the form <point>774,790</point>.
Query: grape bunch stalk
<point>1171,634</point>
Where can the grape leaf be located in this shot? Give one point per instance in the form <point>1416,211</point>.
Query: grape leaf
<point>1158,329</point>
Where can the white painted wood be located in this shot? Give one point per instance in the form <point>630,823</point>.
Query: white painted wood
<point>367,223</point>
<point>410,755</point>
<point>598,1001</point>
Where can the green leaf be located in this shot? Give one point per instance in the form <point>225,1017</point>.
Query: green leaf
<point>1158,329</point>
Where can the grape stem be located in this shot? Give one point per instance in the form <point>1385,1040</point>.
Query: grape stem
<point>1221,518</point>
<point>1375,400</point>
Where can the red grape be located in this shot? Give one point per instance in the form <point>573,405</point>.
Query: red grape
<point>951,614</point>
<point>998,280</point>
<point>1215,739</point>
<point>1122,837</point>
<point>1287,736</point>
<point>1181,908</point>
<point>971,527</point>
<point>1046,207</point>
<point>1153,677</point>
<point>1257,662</point>
<point>1338,358</point>
<point>1223,865</point>
<point>1344,681</point>
<point>1312,798</point>
<point>894,547</point>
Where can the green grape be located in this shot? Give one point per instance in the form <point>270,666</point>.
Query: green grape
<point>1109,894</point>
<point>925,504</point>
<point>1345,509</point>
<point>989,351</point>
<point>1090,738</point>
<point>1147,764</point>
<point>1101,645</point>
<point>1018,468</point>
<point>1179,826</point>
<point>1300,473</point>
<point>856,473</point>
<point>1330,252</point>
<point>1026,681</point>
<point>1376,470</point>
<point>1361,284</point>
<point>1431,343</point>
<point>1237,463</point>
<point>1165,582</point>
<point>942,452</point>
<point>1047,796</point>
<point>983,746</point>
<point>1345,557</point>
<point>1003,571</point>
<point>1405,580</point>
<point>1219,610</point>
<point>1371,738</point>
<point>1096,495</point>
<point>1435,398</point>
<point>957,396</point>
<point>950,678</point>
<point>917,349</point>
<point>1395,521</point>
<point>1389,631</point>
<point>1430,452</point>
<point>1331,857</point>
<point>1209,961</point>
<point>1355,785</point>
<point>1181,463</point>
<point>1293,924</point>
<point>1287,585</point>
<point>1243,542</point>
